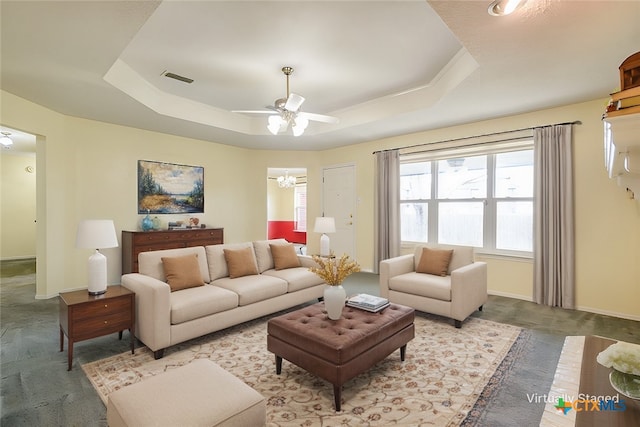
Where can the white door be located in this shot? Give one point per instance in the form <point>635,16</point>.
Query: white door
<point>339,202</point>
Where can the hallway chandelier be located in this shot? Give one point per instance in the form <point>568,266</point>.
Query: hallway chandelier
<point>286,181</point>
<point>5,140</point>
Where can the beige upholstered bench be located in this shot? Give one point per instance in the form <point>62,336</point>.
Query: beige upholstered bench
<point>198,394</point>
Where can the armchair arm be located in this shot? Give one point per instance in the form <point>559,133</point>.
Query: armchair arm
<point>153,309</point>
<point>394,267</point>
<point>468,289</point>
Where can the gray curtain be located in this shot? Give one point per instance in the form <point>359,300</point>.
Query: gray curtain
<point>387,206</point>
<point>554,251</point>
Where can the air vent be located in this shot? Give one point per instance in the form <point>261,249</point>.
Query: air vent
<point>177,77</point>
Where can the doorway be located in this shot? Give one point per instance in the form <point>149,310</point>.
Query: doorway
<point>287,205</point>
<point>339,202</point>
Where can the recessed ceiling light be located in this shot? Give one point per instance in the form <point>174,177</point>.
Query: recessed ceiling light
<point>505,7</point>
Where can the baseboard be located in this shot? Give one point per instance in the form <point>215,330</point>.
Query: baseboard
<point>580,308</point>
<point>18,258</point>
<point>609,313</point>
<point>509,295</point>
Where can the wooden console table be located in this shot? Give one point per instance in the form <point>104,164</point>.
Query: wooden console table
<point>578,373</point>
<point>134,242</point>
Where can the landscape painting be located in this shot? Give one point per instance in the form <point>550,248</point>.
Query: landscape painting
<point>166,188</point>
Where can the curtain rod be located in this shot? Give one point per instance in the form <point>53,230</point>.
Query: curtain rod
<point>575,122</point>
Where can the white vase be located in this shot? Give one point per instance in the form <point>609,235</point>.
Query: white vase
<point>334,299</point>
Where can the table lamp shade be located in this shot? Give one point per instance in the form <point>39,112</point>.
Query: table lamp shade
<point>97,234</point>
<point>324,225</point>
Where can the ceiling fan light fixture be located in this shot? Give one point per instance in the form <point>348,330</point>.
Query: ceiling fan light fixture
<point>505,7</point>
<point>299,126</point>
<point>275,123</point>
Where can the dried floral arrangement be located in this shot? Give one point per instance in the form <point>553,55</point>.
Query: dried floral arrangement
<point>334,270</point>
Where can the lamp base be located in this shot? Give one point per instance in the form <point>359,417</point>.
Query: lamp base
<point>324,245</point>
<point>97,274</point>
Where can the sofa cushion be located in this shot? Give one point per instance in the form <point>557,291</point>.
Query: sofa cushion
<point>424,285</point>
<point>150,263</point>
<point>193,303</point>
<point>297,278</point>
<point>434,261</point>
<point>462,255</point>
<point>254,288</point>
<point>240,262</point>
<point>182,272</point>
<point>284,256</point>
<point>262,249</point>
<point>216,261</point>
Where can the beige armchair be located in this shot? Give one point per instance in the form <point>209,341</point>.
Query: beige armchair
<point>457,294</point>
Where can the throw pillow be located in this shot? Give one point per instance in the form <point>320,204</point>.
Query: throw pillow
<point>284,256</point>
<point>240,262</point>
<point>434,261</point>
<point>182,272</point>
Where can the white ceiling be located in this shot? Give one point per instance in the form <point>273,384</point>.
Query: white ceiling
<point>384,68</point>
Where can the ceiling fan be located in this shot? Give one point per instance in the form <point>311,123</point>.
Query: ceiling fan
<point>286,111</point>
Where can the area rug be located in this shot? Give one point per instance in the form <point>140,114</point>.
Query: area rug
<point>446,372</point>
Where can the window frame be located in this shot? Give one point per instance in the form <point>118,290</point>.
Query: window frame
<point>490,202</point>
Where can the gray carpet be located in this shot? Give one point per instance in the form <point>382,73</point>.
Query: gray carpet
<point>37,390</point>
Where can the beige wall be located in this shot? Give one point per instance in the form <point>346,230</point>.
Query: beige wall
<point>280,202</point>
<point>91,172</point>
<point>17,205</point>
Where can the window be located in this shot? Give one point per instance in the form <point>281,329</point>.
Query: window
<point>300,207</point>
<point>484,199</point>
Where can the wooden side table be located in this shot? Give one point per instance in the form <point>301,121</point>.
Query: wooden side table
<point>84,316</point>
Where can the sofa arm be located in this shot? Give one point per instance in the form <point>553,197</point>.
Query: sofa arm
<point>153,309</point>
<point>307,261</point>
<point>394,267</point>
<point>468,289</point>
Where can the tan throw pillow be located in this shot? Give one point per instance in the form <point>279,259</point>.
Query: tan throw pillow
<point>240,262</point>
<point>434,261</point>
<point>182,272</point>
<point>284,256</point>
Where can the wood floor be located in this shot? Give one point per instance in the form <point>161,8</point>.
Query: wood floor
<point>37,390</point>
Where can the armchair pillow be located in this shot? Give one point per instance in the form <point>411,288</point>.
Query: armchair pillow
<point>434,261</point>
<point>182,272</point>
<point>284,256</point>
<point>240,262</point>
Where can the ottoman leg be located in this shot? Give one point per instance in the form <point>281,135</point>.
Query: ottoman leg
<point>403,351</point>
<point>278,364</point>
<point>337,396</point>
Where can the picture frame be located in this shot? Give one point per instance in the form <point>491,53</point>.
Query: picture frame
<point>169,188</point>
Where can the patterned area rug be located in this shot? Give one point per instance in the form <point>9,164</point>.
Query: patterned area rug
<point>447,377</point>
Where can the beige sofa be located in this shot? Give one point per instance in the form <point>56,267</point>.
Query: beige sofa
<point>165,318</point>
<point>457,294</point>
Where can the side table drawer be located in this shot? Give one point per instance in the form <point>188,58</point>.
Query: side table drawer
<point>102,309</point>
<point>93,327</point>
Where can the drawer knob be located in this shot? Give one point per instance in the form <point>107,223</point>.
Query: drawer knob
<point>105,306</point>
<point>105,322</point>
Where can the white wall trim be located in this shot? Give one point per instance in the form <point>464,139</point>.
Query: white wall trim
<point>18,258</point>
<point>609,313</point>
<point>510,295</point>
<point>580,308</point>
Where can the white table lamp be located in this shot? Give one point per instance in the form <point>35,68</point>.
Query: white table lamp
<point>97,234</point>
<point>324,225</point>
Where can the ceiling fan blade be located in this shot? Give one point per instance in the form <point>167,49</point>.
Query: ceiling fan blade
<point>294,102</point>
<point>319,117</point>
<point>252,111</point>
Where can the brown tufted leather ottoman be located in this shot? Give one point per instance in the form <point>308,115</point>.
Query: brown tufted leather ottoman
<point>338,350</point>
